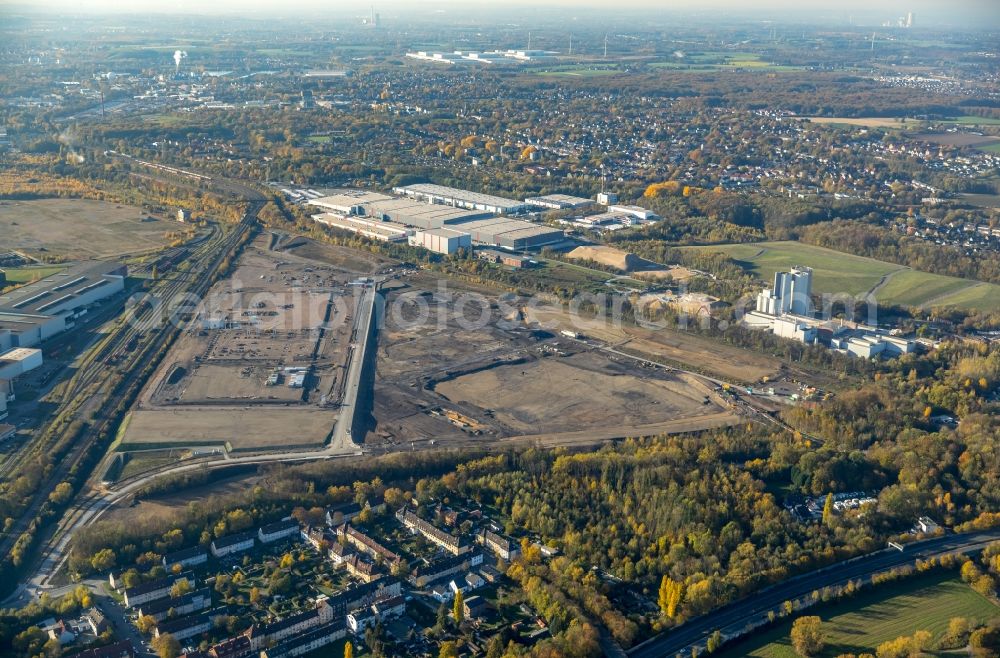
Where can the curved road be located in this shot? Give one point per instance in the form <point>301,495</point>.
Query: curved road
<point>735,618</point>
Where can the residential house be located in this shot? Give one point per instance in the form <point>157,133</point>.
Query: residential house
<point>186,604</point>
<point>364,595</point>
<point>445,566</point>
<point>501,546</point>
<point>232,544</point>
<point>157,589</point>
<point>366,544</point>
<point>340,553</point>
<point>277,531</point>
<point>188,557</point>
<point>260,635</point>
<point>450,543</point>
<point>59,630</point>
<point>362,569</point>
<point>184,627</point>
<point>338,515</point>
<point>95,619</point>
<point>234,647</point>
<point>308,642</point>
<point>123,649</point>
<point>474,607</point>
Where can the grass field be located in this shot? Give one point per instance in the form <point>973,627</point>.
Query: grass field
<point>836,272</point>
<point>861,624</point>
<point>968,120</point>
<point>992,148</point>
<point>29,274</point>
<point>833,271</point>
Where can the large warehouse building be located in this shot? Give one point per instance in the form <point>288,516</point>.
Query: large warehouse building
<point>421,215</point>
<point>509,233</point>
<point>441,240</point>
<point>37,311</point>
<point>381,217</point>
<point>349,202</point>
<point>452,196</point>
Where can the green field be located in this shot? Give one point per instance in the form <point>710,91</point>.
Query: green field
<point>969,120</point>
<point>722,60</point>
<point>578,71</point>
<point>29,274</point>
<point>992,148</point>
<point>893,610</point>
<point>835,272</point>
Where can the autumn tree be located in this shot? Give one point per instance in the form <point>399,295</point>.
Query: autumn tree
<point>828,510</point>
<point>670,595</point>
<point>807,636</point>
<point>167,646</point>
<point>458,607</point>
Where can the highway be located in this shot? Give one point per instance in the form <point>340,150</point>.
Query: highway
<point>735,618</point>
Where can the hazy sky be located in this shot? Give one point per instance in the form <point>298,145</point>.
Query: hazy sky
<point>984,13</point>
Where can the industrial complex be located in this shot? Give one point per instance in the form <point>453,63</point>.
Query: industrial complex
<point>786,309</point>
<point>40,310</point>
<point>438,218</point>
<point>473,57</point>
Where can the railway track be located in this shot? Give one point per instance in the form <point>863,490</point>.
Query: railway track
<point>150,333</point>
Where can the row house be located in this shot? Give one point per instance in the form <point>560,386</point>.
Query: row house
<point>452,544</point>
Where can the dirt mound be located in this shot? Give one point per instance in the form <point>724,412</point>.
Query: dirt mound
<point>611,257</point>
<point>676,273</point>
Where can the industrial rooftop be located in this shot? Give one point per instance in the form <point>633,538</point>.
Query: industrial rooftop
<point>60,290</point>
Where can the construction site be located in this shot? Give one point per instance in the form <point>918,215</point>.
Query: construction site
<point>448,382</point>
<point>260,364</point>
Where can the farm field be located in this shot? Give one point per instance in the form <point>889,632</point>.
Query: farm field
<point>836,272</point>
<point>722,60</point>
<point>860,625</point>
<point>80,228</point>
<point>578,71</point>
<point>864,122</point>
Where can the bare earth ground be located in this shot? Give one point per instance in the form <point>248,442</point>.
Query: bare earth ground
<point>344,258</point>
<point>277,311</point>
<point>612,257</point>
<point>698,353</point>
<point>517,384</point>
<point>80,228</point>
<point>572,393</point>
<point>244,427</point>
<point>675,272</point>
<point>220,383</point>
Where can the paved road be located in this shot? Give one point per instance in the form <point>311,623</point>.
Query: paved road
<point>341,437</point>
<point>735,617</point>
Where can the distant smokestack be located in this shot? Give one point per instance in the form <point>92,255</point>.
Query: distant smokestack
<point>178,56</point>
